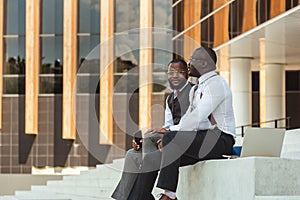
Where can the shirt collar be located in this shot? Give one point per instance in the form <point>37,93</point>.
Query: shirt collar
<point>179,90</point>
<point>206,76</point>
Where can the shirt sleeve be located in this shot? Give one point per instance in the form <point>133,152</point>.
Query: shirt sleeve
<point>168,116</point>
<point>207,101</point>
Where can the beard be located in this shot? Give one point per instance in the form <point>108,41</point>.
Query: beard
<point>176,87</point>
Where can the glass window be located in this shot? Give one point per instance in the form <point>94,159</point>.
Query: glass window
<point>162,14</point>
<point>127,15</point>
<point>14,66</point>
<point>178,13</point>
<point>207,26</point>
<point>50,84</point>
<point>14,55</point>
<point>85,45</point>
<point>88,46</point>
<point>13,84</point>
<point>235,18</point>
<point>263,11</point>
<point>89,16</point>
<point>15,17</point>
<point>52,17</point>
<point>127,18</point>
<point>51,65</point>
<point>52,55</point>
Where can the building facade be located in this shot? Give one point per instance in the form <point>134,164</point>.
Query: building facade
<point>79,77</point>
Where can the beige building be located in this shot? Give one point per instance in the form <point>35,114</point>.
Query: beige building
<point>79,77</point>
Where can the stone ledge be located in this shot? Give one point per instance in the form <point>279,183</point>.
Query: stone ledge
<point>242,178</point>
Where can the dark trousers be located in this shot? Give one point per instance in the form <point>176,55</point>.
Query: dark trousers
<point>179,149</point>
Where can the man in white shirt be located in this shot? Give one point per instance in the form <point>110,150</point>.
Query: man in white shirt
<point>212,98</point>
<point>177,104</point>
<point>196,140</point>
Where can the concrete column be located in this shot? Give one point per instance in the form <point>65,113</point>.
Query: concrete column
<point>240,81</point>
<point>273,98</point>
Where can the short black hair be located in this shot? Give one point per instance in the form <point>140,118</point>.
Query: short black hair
<point>211,53</point>
<point>184,64</point>
<point>177,60</point>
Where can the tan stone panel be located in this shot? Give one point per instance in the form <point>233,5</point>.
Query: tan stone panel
<point>277,7</point>
<point>106,72</point>
<point>69,72</point>
<point>249,19</point>
<point>145,71</point>
<point>221,23</point>
<point>32,66</point>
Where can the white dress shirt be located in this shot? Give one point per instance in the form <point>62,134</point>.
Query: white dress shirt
<point>213,96</point>
<point>168,113</point>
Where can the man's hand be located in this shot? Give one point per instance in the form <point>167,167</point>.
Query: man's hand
<point>135,146</point>
<point>159,144</point>
<point>157,130</point>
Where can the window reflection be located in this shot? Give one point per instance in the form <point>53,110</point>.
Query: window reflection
<point>14,47</point>
<point>52,15</point>
<point>235,18</point>
<point>89,16</point>
<point>15,17</point>
<point>51,67</point>
<point>13,84</point>
<point>14,55</point>
<point>88,69</point>
<point>127,18</point>
<point>85,45</point>
<point>207,26</point>
<point>162,42</point>
<point>127,15</point>
<point>52,55</point>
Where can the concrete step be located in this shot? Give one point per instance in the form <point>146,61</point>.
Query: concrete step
<point>292,136</point>
<point>103,172</point>
<point>34,195</point>
<point>99,182</point>
<point>290,147</point>
<point>291,155</point>
<point>277,198</point>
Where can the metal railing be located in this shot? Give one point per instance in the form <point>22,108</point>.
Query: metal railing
<point>275,121</point>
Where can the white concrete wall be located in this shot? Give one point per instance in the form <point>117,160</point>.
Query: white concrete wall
<point>242,178</point>
<point>9,183</point>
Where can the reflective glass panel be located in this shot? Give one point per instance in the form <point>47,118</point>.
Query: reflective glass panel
<point>86,44</point>
<point>14,84</point>
<point>14,55</point>
<point>15,17</point>
<point>127,20</point>
<point>52,17</point>
<point>162,42</point>
<point>52,55</point>
<point>127,15</point>
<point>51,84</point>
<point>89,16</point>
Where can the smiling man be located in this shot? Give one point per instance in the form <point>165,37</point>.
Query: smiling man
<point>176,105</point>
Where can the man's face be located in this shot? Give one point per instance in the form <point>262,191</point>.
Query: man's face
<point>195,63</point>
<point>200,63</point>
<point>176,75</point>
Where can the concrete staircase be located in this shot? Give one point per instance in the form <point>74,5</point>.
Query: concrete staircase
<point>93,184</point>
<point>253,178</point>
